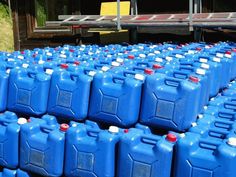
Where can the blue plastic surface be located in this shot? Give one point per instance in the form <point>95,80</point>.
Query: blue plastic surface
<point>42,147</point>
<point>69,95</point>
<point>200,157</point>
<point>169,103</point>
<point>90,151</point>
<point>28,92</point>
<point>144,154</point>
<point>9,140</point>
<point>115,99</point>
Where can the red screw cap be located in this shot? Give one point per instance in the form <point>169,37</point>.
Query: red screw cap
<point>76,62</point>
<point>64,66</point>
<point>156,66</point>
<point>148,71</point>
<point>198,49</point>
<point>228,52</point>
<point>126,130</point>
<point>72,50</point>
<point>234,50</point>
<point>131,57</point>
<point>193,79</point>
<point>22,52</point>
<point>171,138</point>
<point>64,127</point>
<point>29,120</point>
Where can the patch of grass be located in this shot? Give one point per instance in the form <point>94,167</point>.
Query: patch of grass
<point>6,31</point>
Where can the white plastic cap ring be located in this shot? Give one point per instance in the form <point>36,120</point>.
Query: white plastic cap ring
<point>232,141</point>
<point>139,77</point>
<point>105,68</point>
<point>22,121</point>
<point>113,129</point>
<point>200,71</point>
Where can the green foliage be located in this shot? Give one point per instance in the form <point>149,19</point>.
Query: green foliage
<point>6,32</point>
<point>41,16</point>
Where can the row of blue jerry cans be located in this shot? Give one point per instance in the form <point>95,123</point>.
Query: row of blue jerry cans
<point>24,99</point>
<point>209,146</point>
<point>83,149</point>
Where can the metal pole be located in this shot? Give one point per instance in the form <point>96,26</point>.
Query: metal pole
<point>190,15</point>
<point>118,15</point>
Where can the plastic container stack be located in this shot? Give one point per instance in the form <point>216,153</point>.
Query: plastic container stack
<point>144,110</point>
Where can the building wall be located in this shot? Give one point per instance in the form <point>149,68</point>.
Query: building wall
<point>24,18</point>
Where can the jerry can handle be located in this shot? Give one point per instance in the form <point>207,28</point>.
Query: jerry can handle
<point>180,75</point>
<point>209,144</point>
<point>224,114</point>
<point>93,132</point>
<point>186,68</point>
<point>151,140</point>
<point>138,68</point>
<point>118,79</point>
<point>146,64</point>
<point>31,74</point>
<point>173,82</point>
<point>223,124</point>
<point>230,105</point>
<point>127,73</point>
<point>46,128</point>
<point>213,132</point>
<point>74,76</point>
<point>98,66</point>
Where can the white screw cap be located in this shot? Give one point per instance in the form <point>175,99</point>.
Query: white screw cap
<point>157,52</point>
<point>41,62</point>
<point>232,141</point>
<point>114,63</point>
<point>49,71</point>
<point>105,68</point>
<point>179,56</point>
<point>203,60</point>
<point>49,54</point>
<point>91,73</point>
<point>205,107</point>
<point>21,57</point>
<point>142,55</point>
<point>182,135</point>
<point>22,121</point>
<point>200,71</point>
<point>25,65</point>
<point>220,55</point>
<point>212,99</point>
<point>8,71</point>
<point>159,60</point>
<point>200,116</point>
<point>113,129</point>
<point>119,60</point>
<point>216,59</point>
<point>169,58</point>
<point>139,77</point>
<point>205,66</point>
<point>194,124</point>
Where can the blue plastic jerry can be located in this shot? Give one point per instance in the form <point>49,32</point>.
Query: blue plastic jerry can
<point>69,95</point>
<point>169,103</point>
<point>28,92</point>
<point>144,154</point>
<point>200,157</point>
<point>212,74</point>
<point>115,99</point>
<point>42,146</point>
<point>91,151</point>
<point>9,139</point>
<point>4,79</point>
